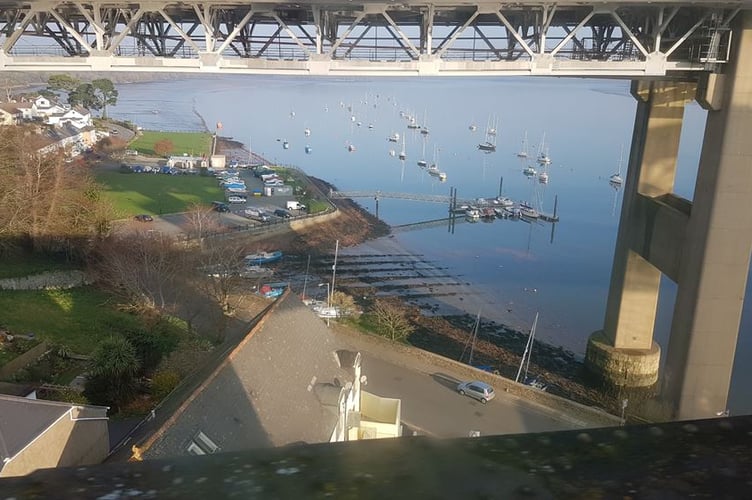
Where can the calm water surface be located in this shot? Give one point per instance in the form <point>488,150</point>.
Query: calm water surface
<point>513,265</point>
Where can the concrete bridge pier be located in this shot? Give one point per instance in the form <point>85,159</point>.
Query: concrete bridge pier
<point>704,245</point>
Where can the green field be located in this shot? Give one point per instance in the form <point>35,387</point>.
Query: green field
<point>157,194</point>
<point>191,143</point>
<point>77,318</point>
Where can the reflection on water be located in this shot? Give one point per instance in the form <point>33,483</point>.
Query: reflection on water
<point>345,131</point>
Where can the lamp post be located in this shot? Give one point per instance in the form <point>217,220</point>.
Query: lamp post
<point>327,293</point>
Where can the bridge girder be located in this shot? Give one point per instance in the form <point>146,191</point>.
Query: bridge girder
<point>629,39</point>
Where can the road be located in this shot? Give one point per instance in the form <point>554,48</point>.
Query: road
<point>432,406</point>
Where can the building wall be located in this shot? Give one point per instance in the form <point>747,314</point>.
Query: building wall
<point>67,442</point>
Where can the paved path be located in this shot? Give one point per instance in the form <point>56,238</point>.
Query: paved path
<point>431,405</point>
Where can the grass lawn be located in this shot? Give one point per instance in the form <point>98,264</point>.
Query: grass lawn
<point>157,194</point>
<point>77,318</point>
<point>192,143</point>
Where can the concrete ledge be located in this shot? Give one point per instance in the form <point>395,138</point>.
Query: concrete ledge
<point>622,367</point>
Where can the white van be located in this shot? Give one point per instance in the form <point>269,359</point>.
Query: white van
<point>236,199</point>
<point>295,205</point>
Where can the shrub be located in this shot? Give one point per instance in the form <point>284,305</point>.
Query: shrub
<point>163,382</point>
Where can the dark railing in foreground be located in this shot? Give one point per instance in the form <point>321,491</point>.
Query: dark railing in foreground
<point>705,458</point>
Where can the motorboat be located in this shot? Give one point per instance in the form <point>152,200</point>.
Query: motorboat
<point>395,137</point>
<point>260,258</point>
<point>529,171</point>
<point>543,178</point>
<point>503,201</point>
<point>528,211</point>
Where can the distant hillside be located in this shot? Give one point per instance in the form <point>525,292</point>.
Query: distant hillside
<point>14,81</point>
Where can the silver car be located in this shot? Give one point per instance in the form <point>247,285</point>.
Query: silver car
<point>478,390</point>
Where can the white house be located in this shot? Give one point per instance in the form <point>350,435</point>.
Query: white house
<point>78,117</point>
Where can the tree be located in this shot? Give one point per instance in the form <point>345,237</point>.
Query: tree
<point>84,95</point>
<point>391,319</point>
<point>344,303</point>
<point>114,368</point>
<point>65,83</point>
<point>164,147</point>
<point>105,94</point>
<point>143,269</point>
<point>44,201</point>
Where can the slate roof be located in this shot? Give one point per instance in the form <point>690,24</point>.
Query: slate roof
<point>22,420</point>
<point>281,387</point>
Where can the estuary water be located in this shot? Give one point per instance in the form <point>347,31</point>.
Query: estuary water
<point>337,129</point>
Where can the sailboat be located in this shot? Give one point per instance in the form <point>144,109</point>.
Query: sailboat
<point>489,146</point>
<point>471,341</point>
<point>424,128</point>
<point>543,158</point>
<point>422,162</point>
<point>395,137</point>
<point>433,169</point>
<point>543,176</point>
<point>615,179</point>
<point>529,171</point>
<point>525,361</point>
<point>523,150</point>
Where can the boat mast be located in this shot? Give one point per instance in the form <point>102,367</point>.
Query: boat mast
<point>475,336</point>
<point>528,347</point>
<point>334,268</point>
<point>305,280</point>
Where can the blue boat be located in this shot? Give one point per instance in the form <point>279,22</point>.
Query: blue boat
<point>257,259</point>
<point>272,290</point>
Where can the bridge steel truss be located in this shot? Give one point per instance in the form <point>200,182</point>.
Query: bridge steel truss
<point>627,39</point>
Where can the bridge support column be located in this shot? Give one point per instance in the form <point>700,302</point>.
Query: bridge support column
<point>624,352</point>
<point>715,261</point>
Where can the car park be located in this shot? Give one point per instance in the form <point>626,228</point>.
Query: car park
<point>477,390</point>
<point>143,218</point>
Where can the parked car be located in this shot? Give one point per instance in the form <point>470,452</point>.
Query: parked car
<point>282,213</point>
<point>220,206</point>
<point>236,199</point>
<point>478,390</point>
<point>144,218</point>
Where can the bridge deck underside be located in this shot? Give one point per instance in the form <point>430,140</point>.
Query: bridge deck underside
<point>443,37</point>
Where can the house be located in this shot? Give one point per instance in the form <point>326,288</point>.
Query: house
<point>77,116</point>
<point>185,161</point>
<point>37,434</point>
<point>66,135</point>
<point>291,380</point>
<point>10,114</point>
<point>41,107</point>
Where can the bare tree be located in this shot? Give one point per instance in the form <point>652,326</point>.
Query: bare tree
<point>44,200</point>
<point>219,268</point>
<point>391,319</point>
<point>142,268</point>
<point>202,221</point>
